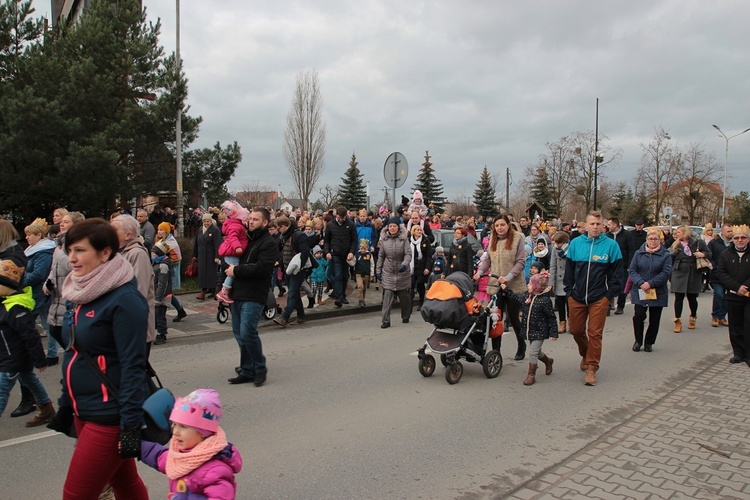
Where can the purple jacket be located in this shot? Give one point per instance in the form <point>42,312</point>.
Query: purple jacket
<point>213,480</point>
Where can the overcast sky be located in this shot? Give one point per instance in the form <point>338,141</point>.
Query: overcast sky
<point>474,82</point>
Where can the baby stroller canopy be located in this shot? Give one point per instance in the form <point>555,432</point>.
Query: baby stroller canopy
<point>445,302</point>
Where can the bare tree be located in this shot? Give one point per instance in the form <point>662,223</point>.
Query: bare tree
<point>700,197</point>
<point>462,205</point>
<point>255,194</point>
<point>329,195</point>
<point>661,167</point>
<point>584,165</point>
<point>558,162</point>
<point>305,135</point>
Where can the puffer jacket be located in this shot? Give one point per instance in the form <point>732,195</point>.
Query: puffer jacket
<point>58,272</point>
<point>20,346</point>
<point>112,330</point>
<point>135,252</point>
<point>395,252</point>
<point>37,269</point>
<point>654,268</point>
<point>538,321</point>
<point>213,479</point>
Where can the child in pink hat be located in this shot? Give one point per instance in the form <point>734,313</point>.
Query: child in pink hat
<point>199,461</point>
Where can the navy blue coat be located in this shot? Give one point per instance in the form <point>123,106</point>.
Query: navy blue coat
<point>654,268</point>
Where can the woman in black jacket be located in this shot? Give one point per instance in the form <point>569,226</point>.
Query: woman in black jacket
<point>421,262</point>
<point>460,255</point>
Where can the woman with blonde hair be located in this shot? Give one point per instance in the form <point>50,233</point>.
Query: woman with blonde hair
<point>649,271</point>
<point>687,280</point>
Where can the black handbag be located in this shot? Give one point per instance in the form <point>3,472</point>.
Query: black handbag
<point>156,408</point>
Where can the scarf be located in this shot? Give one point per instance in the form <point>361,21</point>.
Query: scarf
<point>686,248</point>
<point>417,252</point>
<point>459,242</point>
<point>103,279</point>
<point>181,463</point>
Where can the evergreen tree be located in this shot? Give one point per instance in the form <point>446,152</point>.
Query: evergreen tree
<point>209,169</point>
<point>543,192</point>
<point>352,192</point>
<point>739,210</point>
<point>484,195</point>
<point>430,186</point>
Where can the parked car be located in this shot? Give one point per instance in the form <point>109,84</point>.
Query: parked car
<point>444,238</point>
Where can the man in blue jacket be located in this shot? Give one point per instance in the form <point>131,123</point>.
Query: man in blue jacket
<point>594,274</point>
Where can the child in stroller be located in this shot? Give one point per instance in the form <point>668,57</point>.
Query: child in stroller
<point>463,328</point>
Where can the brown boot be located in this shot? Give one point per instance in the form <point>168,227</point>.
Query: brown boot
<point>547,363</point>
<point>531,377</point>
<point>691,322</point>
<point>563,327</point>
<point>677,325</point>
<point>583,365</point>
<point>202,295</point>
<point>44,413</point>
<point>590,377</point>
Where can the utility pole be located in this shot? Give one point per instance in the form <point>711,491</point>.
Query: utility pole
<point>180,208</point>
<point>596,154</point>
<point>507,190</point>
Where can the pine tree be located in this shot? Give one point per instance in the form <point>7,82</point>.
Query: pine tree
<point>484,195</point>
<point>430,186</point>
<point>541,191</point>
<point>352,193</point>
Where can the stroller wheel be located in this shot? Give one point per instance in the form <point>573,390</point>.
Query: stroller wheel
<point>222,315</point>
<point>427,365</point>
<point>492,363</point>
<point>269,312</point>
<point>454,372</point>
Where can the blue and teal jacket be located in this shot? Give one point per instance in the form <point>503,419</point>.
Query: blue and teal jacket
<point>594,269</point>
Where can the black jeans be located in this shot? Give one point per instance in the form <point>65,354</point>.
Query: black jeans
<point>512,311</point>
<point>561,304</point>
<point>639,320</point>
<point>739,327</point>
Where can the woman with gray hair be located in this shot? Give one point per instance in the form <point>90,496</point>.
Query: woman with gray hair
<point>687,280</point>
<point>206,254</point>
<point>132,248</point>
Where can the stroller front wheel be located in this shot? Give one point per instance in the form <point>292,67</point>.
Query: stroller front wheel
<point>427,365</point>
<point>454,372</point>
<point>492,363</point>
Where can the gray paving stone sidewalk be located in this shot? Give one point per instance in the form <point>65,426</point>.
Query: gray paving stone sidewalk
<point>692,443</point>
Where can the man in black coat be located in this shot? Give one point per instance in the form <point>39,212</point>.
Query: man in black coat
<point>734,272</point>
<point>252,278</point>
<point>294,242</point>
<point>717,246</point>
<point>627,247</point>
<point>340,246</point>
<point>638,234</point>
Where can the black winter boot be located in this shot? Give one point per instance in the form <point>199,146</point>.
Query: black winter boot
<point>26,405</point>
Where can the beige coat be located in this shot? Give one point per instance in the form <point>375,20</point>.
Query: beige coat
<point>135,253</point>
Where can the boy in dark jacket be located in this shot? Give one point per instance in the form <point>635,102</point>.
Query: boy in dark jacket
<point>162,289</point>
<point>363,270</point>
<point>438,266</point>
<point>22,346</point>
<point>538,323</point>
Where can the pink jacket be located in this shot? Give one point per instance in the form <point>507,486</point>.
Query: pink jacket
<point>235,236</point>
<point>213,480</point>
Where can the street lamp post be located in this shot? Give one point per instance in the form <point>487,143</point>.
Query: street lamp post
<point>726,165</point>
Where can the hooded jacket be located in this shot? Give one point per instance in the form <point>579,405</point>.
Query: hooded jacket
<point>59,270</point>
<point>593,269</point>
<point>395,252</point>
<point>20,346</point>
<point>213,479</point>
<point>37,270</point>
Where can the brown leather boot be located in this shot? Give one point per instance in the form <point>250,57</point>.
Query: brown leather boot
<point>590,377</point>
<point>692,322</point>
<point>563,327</point>
<point>44,413</point>
<point>677,325</point>
<point>547,363</point>
<point>202,295</point>
<point>583,365</point>
<point>531,377</point>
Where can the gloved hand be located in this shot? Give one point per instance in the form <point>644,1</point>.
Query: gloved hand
<point>130,443</point>
<point>379,277</point>
<point>63,421</point>
<point>402,268</point>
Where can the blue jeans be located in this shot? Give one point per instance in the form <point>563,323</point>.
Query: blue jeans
<point>293,299</point>
<point>719,309</point>
<point>340,277</point>
<point>245,317</point>
<point>52,344</point>
<point>29,380</point>
<point>232,260</point>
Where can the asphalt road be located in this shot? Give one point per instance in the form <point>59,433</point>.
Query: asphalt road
<point>346,414</point>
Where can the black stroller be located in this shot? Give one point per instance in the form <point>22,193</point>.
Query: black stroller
<point>463,329</point>
<point>269,311</point>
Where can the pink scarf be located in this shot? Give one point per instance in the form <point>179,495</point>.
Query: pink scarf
<point>182,463</point>
<point>103,279</point>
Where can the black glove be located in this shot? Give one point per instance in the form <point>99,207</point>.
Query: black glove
<point>402,268</point>
<point>379,277</point>
<point>130,443</point>
<point>63,421</point>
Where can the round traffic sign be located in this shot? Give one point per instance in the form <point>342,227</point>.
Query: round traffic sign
<point>395,170</point>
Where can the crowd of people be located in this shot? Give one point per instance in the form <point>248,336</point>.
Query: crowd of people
<point>100,290</point>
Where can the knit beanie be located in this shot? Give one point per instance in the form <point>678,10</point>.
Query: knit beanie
<point>417,195</point>
<point>439,250</point>
<point>201,410</point>
<point>538,265</point>
<point>166,227</point>
<point>394,220</point>
<point>11,272</point>
<point>539,282</point>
